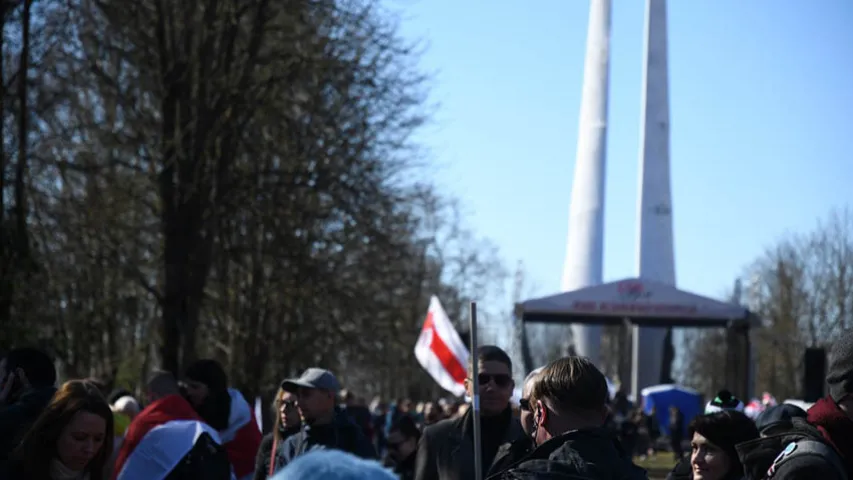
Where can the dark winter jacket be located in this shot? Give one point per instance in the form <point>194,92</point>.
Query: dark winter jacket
<point>579,454</point>
<point>17,418</point>
<point>262,462</point>
<point>342,434</point>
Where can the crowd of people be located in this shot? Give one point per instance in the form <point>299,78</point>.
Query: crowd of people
<point>566,426</point>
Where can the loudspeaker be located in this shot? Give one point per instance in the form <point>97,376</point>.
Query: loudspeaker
<point>814,374</point>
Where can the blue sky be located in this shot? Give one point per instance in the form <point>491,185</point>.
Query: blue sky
<point>761,112</point>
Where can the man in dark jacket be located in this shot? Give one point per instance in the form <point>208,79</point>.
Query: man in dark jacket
<point>359,413</point>
<point>569,409</point>
<point>27,383</point>
<point>446,448</point>
<point>820,447</point>
<point>325,425</point>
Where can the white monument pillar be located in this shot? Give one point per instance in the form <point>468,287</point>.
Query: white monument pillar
<point>655,256</point>
<point>585,245</point>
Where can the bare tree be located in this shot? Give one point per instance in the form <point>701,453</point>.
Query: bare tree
<point>801,289</point>
<point>227,179</point>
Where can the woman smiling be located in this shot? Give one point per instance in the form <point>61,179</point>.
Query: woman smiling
<point>713,439</point>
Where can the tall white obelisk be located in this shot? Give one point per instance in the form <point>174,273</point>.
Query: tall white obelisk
<point>585,245</point>
<point>655,255</point>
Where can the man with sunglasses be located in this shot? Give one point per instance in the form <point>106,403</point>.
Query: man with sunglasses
<point>569,407</point>
<point>526,415</point>
<point>446,449</point>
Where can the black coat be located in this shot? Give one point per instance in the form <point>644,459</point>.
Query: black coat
<point>262,461</point>
<point>342,434</point>
<point>446,450</point>
<point>579,454</point>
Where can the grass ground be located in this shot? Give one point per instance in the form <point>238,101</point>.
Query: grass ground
<point>658,465</point>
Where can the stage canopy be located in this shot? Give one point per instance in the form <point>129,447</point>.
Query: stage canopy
<point>643,302</point>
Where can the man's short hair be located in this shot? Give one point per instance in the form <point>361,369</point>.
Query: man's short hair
<point>571,384</point>
<point>37,366</point>
<point>491,353</point>
<point>527,386</point>
<point>163,383</point>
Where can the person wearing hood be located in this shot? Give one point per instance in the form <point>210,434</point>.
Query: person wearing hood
<point>227,412</point>
<point>27,384</point>
<point>569,404</point>
<point>324,425</point>
<point>822,445</point>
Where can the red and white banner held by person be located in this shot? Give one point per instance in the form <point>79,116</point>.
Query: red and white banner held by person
<point>440,350</point>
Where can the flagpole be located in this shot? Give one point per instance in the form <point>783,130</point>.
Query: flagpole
<point>475,395</point>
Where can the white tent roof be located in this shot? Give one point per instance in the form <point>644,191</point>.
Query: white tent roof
<point>666,388</point>
<point>643,301</point>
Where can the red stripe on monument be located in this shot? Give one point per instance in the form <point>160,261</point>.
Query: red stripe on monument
<point>452,364</point>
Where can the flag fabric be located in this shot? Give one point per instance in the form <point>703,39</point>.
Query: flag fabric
<point>259,416</point>
<point>242,438</point>
<point>158,439</point>
<point>440,350</point>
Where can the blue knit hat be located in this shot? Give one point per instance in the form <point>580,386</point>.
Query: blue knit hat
<point>333,465</point>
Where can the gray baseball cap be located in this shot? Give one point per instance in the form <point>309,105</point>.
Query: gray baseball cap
<point>313,378</point>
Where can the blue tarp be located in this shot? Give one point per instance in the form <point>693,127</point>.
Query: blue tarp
<point>661,397</point>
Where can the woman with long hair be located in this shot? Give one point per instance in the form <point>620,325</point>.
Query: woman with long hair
<point>287,422</point>
<point>71,440</point>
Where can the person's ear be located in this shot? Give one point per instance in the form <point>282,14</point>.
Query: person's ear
<point>541,413</point>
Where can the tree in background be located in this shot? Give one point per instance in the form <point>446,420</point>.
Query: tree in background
<point>233,179</point>
<point>802,289</point>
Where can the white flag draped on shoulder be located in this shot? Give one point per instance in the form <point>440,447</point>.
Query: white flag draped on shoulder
<point>440,350</point>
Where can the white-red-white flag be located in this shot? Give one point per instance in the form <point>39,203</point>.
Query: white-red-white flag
<point>440,350</point>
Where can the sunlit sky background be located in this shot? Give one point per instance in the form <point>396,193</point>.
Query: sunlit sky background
<point>761,109</point>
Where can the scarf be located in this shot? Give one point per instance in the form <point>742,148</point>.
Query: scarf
<point>835,426</point>
<point>58,471</point>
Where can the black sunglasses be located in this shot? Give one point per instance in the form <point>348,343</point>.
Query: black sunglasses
<point>524,403</point>
<point>501,379</point>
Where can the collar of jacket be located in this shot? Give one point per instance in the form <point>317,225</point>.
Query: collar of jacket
<point>465,425</point>
<point>464,434</point>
